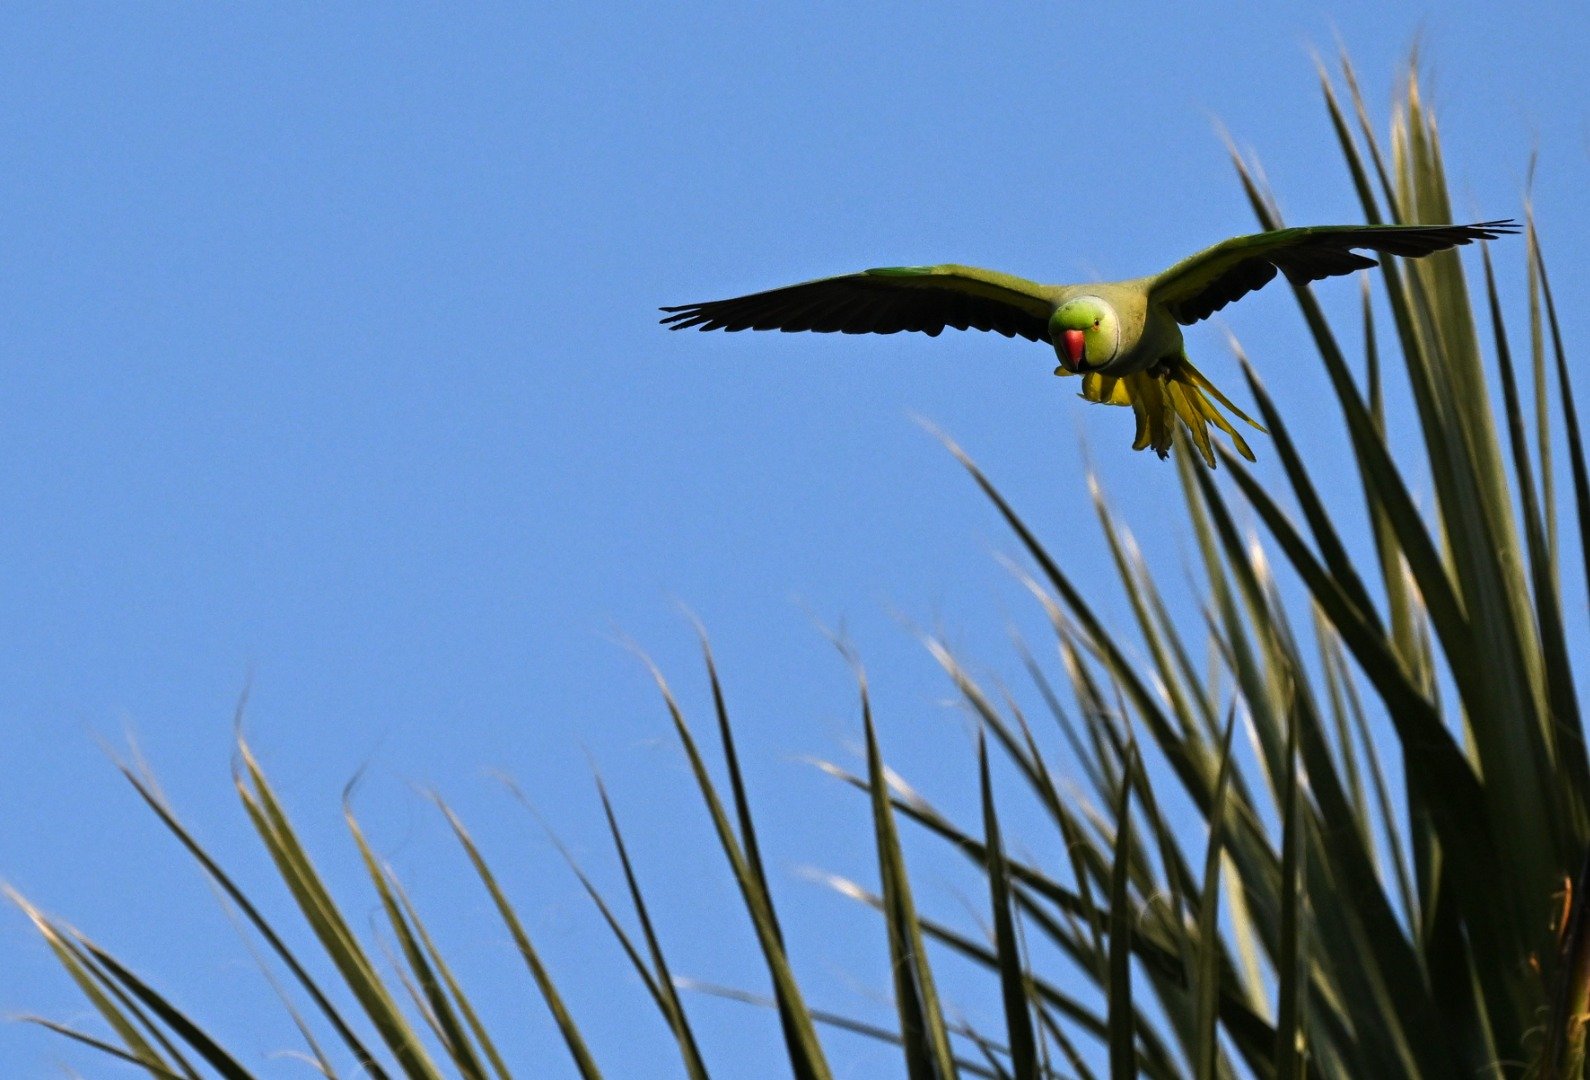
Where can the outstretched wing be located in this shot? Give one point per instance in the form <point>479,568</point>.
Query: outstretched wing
<point>1196,288</point>
<point>884,301</point>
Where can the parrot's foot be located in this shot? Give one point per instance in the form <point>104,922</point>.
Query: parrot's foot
<point>1171,393</point>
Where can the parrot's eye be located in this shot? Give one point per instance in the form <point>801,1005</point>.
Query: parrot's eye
<point>1096,323</point>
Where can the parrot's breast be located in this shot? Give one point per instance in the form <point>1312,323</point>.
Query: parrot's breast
<point>1148,332</point>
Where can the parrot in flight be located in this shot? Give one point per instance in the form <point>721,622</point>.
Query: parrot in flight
<point>1122,338</point>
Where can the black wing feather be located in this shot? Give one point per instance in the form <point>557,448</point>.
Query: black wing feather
<point>859,304</point>
<point>1202,285</point>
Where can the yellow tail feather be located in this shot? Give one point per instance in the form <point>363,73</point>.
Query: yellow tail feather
<point>1173,393</point>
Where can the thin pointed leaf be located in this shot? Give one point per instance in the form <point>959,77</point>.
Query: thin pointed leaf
<point>146,790</point>
<point>82,974</point>
<point>570,1031</point>
<point>304,882</point>
<point>1122,1014</point>
<point>101,1045</point>
<point>439,1006</point>
<point>1207,1040</point>
<point>673,1008</point>
<point>924,1038</point>
<point>1012,976</point>
<point>1291,977</point>
<point>178,1021</point>
<point>841,1022</point>
<point>805,1051</point>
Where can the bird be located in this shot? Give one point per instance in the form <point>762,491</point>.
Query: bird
<point>1123,339</point>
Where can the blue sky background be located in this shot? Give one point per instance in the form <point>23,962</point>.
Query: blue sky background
<point>329,366</point>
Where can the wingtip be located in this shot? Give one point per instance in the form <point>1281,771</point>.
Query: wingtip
<point>1493,229</point>
<point>681,317</point>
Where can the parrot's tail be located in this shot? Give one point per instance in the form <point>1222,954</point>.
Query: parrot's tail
<point>1171,391</point>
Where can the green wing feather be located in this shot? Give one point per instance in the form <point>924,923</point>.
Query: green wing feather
<point>886,300</point>
<point>1196,288</point>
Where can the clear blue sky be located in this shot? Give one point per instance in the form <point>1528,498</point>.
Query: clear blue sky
<point>329,365</point>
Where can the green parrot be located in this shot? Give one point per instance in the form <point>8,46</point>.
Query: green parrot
<point>1123,338</point>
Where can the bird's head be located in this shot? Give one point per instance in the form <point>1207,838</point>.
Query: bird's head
<point>1086,333</point>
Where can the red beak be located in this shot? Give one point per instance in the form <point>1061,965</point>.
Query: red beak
<point>1074,345</point>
